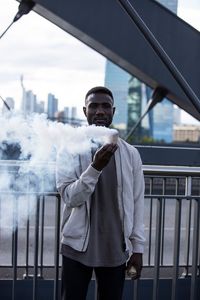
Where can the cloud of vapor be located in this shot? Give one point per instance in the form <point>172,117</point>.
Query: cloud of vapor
<point>39,138</point>
<point>28,149</point>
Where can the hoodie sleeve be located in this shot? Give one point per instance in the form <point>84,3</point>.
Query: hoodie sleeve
<point>74,186</point>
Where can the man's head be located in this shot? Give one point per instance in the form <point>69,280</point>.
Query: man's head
<point>98,107</point>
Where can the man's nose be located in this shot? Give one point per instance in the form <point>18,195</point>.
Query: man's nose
<point>100,110</point>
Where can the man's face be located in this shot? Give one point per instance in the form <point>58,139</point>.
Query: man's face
<point>99,109</point>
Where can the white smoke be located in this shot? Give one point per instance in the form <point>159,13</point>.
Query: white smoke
<point>28,148</point>
<point>39,138</point>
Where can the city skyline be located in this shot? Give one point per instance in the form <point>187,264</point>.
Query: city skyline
<point>51,60</point>
<point>30,104</point>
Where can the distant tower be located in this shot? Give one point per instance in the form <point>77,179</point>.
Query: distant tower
<point>40,107</point>
<point>52,106</point>
<point>163,112</point>
<point>23,93</point>
<point>131,97</point>
<point>29,100</point>
<point>177,116</point>
<point>73,112</point>
<point>117,81</point>
<point>73,115</point>
<point>170,4</point>
<point>66,114</point>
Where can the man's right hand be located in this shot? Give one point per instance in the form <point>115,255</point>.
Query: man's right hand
<point>103,156</point>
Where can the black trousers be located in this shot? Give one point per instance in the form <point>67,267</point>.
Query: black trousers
<point>76,278</point>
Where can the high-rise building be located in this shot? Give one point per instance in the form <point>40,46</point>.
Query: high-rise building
<point>66,114</point>
<point>163,112</point>
<point>52,107</point>
<point>170,4</point>
<point>163,121</point>
<point>73,112</point>
<point>177,115</point>
<point>73,115</point>
<point>131,96</point>
<point>117,81</point>
<point>40,107</point>
<point>29,102</point>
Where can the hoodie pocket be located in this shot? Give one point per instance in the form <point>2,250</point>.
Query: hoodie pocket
<point>76,224</point>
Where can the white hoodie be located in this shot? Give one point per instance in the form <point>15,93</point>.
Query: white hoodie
<point>77,184</point>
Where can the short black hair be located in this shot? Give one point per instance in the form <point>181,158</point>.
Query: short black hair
<point>99,90</point>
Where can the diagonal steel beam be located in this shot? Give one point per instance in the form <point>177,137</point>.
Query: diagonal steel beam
<point>105,27</point>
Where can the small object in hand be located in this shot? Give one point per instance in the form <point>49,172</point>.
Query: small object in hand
<point>132,273</point>
<point>113,138</point>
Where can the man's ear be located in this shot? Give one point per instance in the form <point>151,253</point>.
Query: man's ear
<point>84,110</point>
<point>113,110</point>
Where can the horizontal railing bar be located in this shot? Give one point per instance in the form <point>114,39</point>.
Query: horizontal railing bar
<point>178,170</point>
<point>29,193</point>
<point>146,168</point>
<point>174,197</point>
<point>149,196</point>
<point>52,266</point>
<point>15,163</point>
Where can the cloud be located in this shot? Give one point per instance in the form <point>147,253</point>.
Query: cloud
<point>40,50</point>
<point>189,11</point>
<point>50,59</point>
<point>185,4</point>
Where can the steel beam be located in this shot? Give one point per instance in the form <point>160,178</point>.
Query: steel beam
<point>105,26</point>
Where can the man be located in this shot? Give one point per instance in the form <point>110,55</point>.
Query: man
<point>103,198</point>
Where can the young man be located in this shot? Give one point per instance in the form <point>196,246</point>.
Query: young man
<point>102,229</point>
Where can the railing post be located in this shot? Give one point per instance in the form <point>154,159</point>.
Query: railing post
<point>150,223</point>
<point>188,192</point>
<point>195,251</point>
<point>157,249</point>
<point>57,247</point>
<point>176,248</point>
<point>14,244</point>
<point>42,202</point>
<point>25,276</point>
<point>163,222</point>
<point>36,248</point>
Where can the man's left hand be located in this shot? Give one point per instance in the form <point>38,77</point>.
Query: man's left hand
<point>136,261</point>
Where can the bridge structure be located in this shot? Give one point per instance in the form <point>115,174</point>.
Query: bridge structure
<point>172,195</point>
<point>107,28</point>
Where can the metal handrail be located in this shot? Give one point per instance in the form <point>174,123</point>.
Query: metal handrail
<point>184,203</point>
<point>146,168</point>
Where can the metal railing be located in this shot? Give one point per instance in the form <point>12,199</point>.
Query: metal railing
<point>29,249</point>
<point>174,193</point>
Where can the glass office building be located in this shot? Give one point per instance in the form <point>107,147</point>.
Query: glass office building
<point>117,80</point>
<point>131,98</point>
<point>163,113</point>
<point>170,4</point>
<point>52,106</point>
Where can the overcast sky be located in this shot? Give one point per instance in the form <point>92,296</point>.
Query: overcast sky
<point>50,59</point>
<point>53,61</point>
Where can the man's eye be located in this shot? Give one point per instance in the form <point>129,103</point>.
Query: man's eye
<point>107,105</point>
<point>93,105</point>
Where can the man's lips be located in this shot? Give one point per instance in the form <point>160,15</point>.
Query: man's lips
<point>100,121</point>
